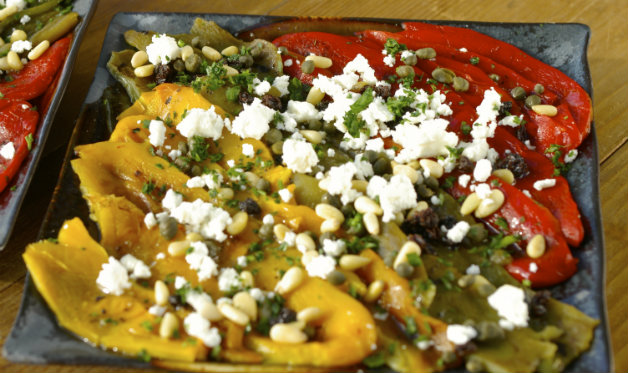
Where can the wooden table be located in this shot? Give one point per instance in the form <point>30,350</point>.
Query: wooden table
<point>608,58</point>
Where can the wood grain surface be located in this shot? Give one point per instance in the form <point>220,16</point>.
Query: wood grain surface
<point>608,59</point>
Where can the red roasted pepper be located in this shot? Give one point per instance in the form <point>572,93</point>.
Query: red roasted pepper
<point>37,75</point>
<point>18,120</point>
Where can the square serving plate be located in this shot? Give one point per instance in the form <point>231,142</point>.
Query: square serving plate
<point>37,338</point>
<point>11,200</point>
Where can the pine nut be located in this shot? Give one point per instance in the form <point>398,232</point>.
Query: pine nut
<point>422,205</point>
<point>505,174</point>
<point>211,54</point>
<point>320,61</point>
<point>432,168</point>
<point>470,204</point>
<point>536,247</point>
<point>186,52</point>
<point>251,178</point>
<point>315,137</point>
<point>231,71</point>
<point>548,110</point>
<point>14,61</point>
<point>225,193</point>
<point>410,172</point>
<point>245,303</point>
<point>374,291</point>
<point>178,248</point>
<point>330,225</point>
<point>360,185</point>
<point>414,164</point>
<point>290,280</point>
<point>490,205</point>
<point>140,58</point>
<point>466,280</point>
<point>309,314</point>
<point>8,12</point>
<point>410,247</point>
<point>238,223</point>
<point>352,262</point>
<point>144,71</point>
<point>4,63</point>
<point>161,293</point>
<point>36,52</point>
<point>287,333</point>
<point>169,324</point>
<point>233,314</point>
<point>247,279</point>
<point>329,212</point>
<point>230,51</point>
<point>371,223</point>
<point>315,96</point>
<point>308,256</point>
<point>364,205</point>
<point>18,35</point>
<point>399,218</point>
<point>208,310</point>
<point>305,242</point>
<point>193,237</point>
<point>280,231</point>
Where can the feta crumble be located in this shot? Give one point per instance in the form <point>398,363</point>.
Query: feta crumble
<point>199,327</point>
<point>482,170</point>
<point>509,302</point>
<point>460,334</point>
<point>113,277</point>
<point>157,133</point>
<point>285,195</point>
<point>204,123</point>
<point>395,195</point>
<point>458,232</point>
<point>321,266</point>
<point>543,184</point>
<point>136,267</point>
<point>248,150</point>
<point>299,156</point>
<point>253,121</point>
<point>20,46</point>
<point>162,49</point>
<point>7,151</point>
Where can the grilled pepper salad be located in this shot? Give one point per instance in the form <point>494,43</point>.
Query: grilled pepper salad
<point>380,199</point>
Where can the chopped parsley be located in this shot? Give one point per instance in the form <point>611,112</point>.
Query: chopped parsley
<point>354,124</point>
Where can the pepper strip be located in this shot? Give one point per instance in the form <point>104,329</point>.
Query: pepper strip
<point>17,120</point>
<point>556,264</point>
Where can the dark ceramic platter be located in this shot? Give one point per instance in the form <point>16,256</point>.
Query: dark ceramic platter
<point>11,200</point>
<point>36,336</point>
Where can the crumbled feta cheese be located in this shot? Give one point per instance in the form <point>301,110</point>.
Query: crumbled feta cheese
<point>571,156</point>
<point>489,108</point>
<point>463,50</point>
<point>113,277</point>
<point>458,232</point>
<point>253,121</point>
<point>394,196</point>
<point>360,65</point>
<point>150,220</point>
<point>136,267</point>
<point>473,269</point>
<point>482,170</point>
<point>199,327</point>
<point>229,280</point>
<point>375,114</point>
<point>20,46</point>
<point>212,179</point>
<point>257,294</point>
<point>376,145</point>
<point>533,267</point>
<point>199,260</point>
<point>460,334</point>
<point>25,19</point>
<point>157,133</point>
<point>289,238</point>
<point>529,145</point>
<point>334,248</point>
<point>435,200</point>
<point>248,150</point>
<point>545,183</point>
<point>200,217</point>
<point>162,49</point>
<point>20,4</point>
<point>430,139</point>
<point>260,87</point>
<point>268,219</point>
<point>174,154</point>
<point>157,310</point>
<point>285,195</point>
<point>331,152</point>
<point>321,266</point>
<point>527,193</point>
<point>281,83</point>
<point>171,200</point>
<point>299,156</point>
<point>204,123</point>
<point>389,60</point>
<point>463,180</point>
<point>198,300</point>
<point>288,62</point>
<point>338,182</point>
<point>364,168</point>
<point>511,120</point>
<point>242,261</point>
<point>509,302</point>
<point>160,256</point>
<point>180,282</point>
<point>482,190</point>
<point>7,151</point>
<point>195,182</point>
<point>302,111</point>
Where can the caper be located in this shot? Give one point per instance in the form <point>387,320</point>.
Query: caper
<point>182,164</point>
<point>213,248</point>
<point>382,166</point>
<point>315,125</point>
<point>489,330</point>
<point>477,233</point>
<point>461,84</point>
<point>424,191</point>
<point>192,63</point>
<point>277,147</point>
<point>404,70</point>
<point>196,170</point>
<point>426,53</point>
<point>494,77</point>
<point>266,231</point>
<point>539,89</point>
<point>331,200</point>
<point>168,228</point>
<point>431,182</point>
<point>404,269</point>
<point>336,278</point>
<point>262,184</point>
<point>410,59</point>
<point>443,75</point>
<point>518,93</point>
<point>371,156</point>
<point>329,127</point>
<point>179,65</point>
<point>532,100</point>
<point>307,67</point>
<point>182,147</point>
<point>272,136</point>
<point>348,210</point>
<point>246,60</point>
